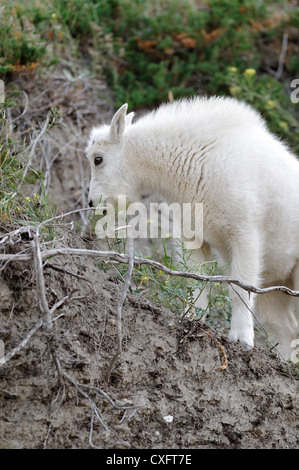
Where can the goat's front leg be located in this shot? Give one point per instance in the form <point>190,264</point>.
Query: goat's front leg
<point>245,266</point>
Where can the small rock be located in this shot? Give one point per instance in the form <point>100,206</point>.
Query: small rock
<point>122,445</point>
<point>168,419</point>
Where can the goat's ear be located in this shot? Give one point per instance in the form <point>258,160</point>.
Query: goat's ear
<point>129,118</point>
<point>118,123</point>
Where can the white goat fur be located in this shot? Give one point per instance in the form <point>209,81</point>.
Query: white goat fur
<point>219,152</point>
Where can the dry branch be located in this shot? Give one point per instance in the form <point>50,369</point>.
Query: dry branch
<point>67,271</point>
<point>112,256</point>
<point>125,289</point>
<point>32,149</point>
<point>22,344</point>
<point>282,56</point>
<point>40,284</point>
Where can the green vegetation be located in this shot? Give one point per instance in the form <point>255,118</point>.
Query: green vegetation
<point>149,51</point>
<point>24,28</point>
<point>16,172</point>
<point>268,96</point>
<point>178,294</point>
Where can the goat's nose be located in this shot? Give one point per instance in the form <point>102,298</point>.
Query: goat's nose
<point>90,204</point>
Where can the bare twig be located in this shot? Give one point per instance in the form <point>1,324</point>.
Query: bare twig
<point>125,289</point>
<point>32,148</point>
<point>24,110</point>
<point>94,411</point>
<point>40,284</point>
<point>33,330</point>
<point>7,238</point>
<point>282,55</point>
<point>59,303</point>
<point>63,270</point>
<point>61,216</point>
<point>108,399</point>
<point>113,256</point>
<point>22,344</point>
<point>15,233</point>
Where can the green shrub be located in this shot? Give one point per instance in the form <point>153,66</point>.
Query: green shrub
<point>27,30</point>
<point>268,96</point>
<point>19,43</point>
<point>16,172</point>
<point>150,50</point>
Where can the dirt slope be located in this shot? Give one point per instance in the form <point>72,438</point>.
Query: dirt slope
<point>170,368</point>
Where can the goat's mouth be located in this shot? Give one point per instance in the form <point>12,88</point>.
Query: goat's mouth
<point>110,205</point>
<point>101,209</point>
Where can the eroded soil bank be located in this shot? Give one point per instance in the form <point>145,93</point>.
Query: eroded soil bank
<point>167,368</point>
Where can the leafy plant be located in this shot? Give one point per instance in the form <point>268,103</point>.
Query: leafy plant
<point>28,30</point>
<point>268,96</point>
<point>152,51</point>
<point>16,171</point>
<point>178,293</point>
<point>147,49</point>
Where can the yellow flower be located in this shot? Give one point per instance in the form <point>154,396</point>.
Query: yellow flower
<point>284,125</point>
<point>232,69</point>
<point>235,90</point>
<point>249,72</point>
<point>53,16</point>
<point>35,196</point>
<point>270,104</point>
<point>27,199</point>
<point>144,279</point>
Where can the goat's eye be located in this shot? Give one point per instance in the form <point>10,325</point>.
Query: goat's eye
<point>98,160</point>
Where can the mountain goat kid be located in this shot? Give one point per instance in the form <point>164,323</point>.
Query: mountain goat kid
<point>217,152</point>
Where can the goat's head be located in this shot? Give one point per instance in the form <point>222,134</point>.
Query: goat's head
<point>105,154</point>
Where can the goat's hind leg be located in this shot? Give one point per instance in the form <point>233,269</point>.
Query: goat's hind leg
<point>274,312</point>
